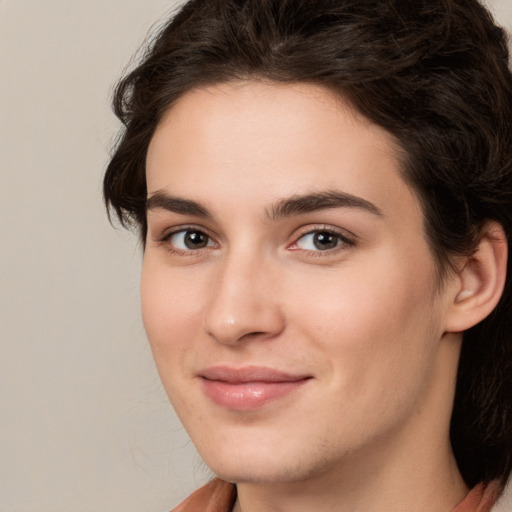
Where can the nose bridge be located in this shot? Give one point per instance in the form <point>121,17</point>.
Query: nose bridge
<point>243,301</point>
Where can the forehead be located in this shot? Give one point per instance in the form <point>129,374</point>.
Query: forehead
<point>242,140</point>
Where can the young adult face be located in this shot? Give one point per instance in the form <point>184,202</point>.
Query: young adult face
<point>288,291</point>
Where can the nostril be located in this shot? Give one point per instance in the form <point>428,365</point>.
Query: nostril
<point>255,334</point>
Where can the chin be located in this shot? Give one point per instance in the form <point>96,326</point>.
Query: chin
<point>242,465</point>
<point>257,473</point>
<point>270,465</point>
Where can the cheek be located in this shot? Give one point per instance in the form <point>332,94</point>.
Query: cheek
<point>171,308</point>
<point>375,326</point>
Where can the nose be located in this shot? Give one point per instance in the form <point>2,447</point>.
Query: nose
<point>244,302</point>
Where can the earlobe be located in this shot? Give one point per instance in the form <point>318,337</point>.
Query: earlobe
<point>480,282</point>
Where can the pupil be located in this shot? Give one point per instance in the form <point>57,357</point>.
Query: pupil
<point>325,240</point>
<point>195,240</point>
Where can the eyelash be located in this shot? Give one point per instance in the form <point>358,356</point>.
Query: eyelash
<point>166,240</point>
<point>343,241</point>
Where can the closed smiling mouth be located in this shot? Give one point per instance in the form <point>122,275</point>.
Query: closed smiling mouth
<point>250,387</point>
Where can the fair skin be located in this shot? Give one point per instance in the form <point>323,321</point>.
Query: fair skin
<point>306,344</point>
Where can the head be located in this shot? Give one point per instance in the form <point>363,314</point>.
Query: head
<point>433,78</point>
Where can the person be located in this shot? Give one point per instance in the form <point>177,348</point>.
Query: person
<point>323,191</point>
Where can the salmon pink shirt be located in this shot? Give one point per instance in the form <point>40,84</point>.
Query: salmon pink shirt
<point>220,496</point>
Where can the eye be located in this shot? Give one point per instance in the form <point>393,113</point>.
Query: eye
<point>189,240</point>
<point>321,240</point>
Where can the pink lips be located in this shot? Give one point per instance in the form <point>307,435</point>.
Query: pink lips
<point>248,388</point>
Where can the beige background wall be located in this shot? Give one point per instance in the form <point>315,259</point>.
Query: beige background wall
<point>84,424</point>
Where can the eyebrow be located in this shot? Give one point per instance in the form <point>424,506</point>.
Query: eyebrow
<point>161,200</point>
<point>295,205</point>
<point>300,204</point>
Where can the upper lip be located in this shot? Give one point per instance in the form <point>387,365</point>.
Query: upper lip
<point>249,374</point>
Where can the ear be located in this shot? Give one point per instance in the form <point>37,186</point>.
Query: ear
<point>478,285</point>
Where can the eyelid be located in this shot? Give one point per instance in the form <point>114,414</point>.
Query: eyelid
<point>347,238</point>
<point>164,239</point>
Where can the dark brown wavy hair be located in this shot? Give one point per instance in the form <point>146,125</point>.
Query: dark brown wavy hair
<point>434,73</point>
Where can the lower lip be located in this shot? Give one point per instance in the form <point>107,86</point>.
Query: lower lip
<point>246,396</point>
